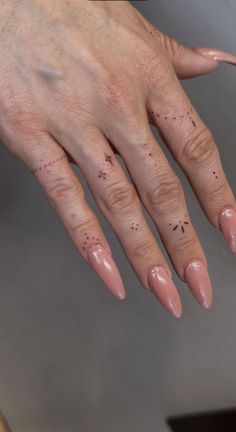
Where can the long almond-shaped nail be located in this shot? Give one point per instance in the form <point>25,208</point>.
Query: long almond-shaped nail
<point>198,280</point>
<point>217,55</point>
<point>164,289</point>
<point>106,268</point>
<point>227,224</point>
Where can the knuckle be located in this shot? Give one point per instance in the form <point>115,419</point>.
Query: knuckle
<point>114,91</point>
<point>144,249</point>
<point>199,147</point>
<point>119,197</point>
<point>84,225</point>
<point>119,96</point>
<point>185,246</point>
<point>137,134</point>
<point>63,189</point>
<point>165,195</point>
<point>20,115</point>
<point>218,194</point>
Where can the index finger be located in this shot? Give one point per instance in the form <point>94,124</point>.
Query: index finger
<point>194,148</point>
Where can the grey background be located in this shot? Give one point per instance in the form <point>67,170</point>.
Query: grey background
<point>73,358</point>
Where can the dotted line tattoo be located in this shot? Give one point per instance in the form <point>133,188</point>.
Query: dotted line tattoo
<point>48,164</point>
<point>188,115</point>
<point>150,154</point>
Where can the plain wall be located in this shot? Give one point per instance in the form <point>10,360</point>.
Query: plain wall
<point>72,357</point>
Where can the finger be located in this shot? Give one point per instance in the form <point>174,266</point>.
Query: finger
<point>49,163</point>
<point>118,201</point>
<point>194,148</point>
<point>163,197</point>
<point>188,62</point>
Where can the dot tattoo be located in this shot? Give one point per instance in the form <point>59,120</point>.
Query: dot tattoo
<point>108,159</point>
<point>182,116</point>
<point>214,173</point>
<point>90,241</point>
<point>46,165</point>
<point>134,226</point>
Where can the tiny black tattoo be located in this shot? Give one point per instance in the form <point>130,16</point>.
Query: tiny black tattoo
<point>45,165</point>
<point>108,159</point>
<point>134,226</point>
<point>215,175</point>
<point>180,225</point>
<point>102,175</point>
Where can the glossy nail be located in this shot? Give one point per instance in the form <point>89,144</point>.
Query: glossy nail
<point>227,224</point>
<point>164,289</point>
<point>106,268</point>
<point>217,55</point>
<point>198,280</point>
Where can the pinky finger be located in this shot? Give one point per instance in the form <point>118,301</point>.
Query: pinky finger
<point>49,163</point>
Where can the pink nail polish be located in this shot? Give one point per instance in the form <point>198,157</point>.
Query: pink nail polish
<point>164,289</point>
<point>106,268</point>
<point>198,280</point>
<point>217,55</point>
<point>227,223</point>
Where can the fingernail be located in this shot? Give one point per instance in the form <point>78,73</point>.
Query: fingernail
<point>217,55</point>
<point>198,280</point>
<point>227,223</point>
<point>164,289</point>
<point>106,268</point>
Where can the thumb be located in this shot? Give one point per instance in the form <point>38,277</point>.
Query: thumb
<point>189,62</point>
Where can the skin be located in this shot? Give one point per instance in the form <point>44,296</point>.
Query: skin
<point>82,82</point>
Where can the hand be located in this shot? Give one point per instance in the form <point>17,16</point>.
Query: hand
<point>82,80</point>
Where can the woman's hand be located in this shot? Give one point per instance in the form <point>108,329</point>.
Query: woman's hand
<point>81,80</point>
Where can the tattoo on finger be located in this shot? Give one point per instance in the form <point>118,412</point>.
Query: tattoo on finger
<point>46,165</point>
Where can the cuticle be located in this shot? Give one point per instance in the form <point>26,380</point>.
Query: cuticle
<point>218,227</point>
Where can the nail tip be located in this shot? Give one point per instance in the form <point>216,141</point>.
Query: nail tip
<point>178,315</point>
<point>206,306</point>
<point>122,297</point>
